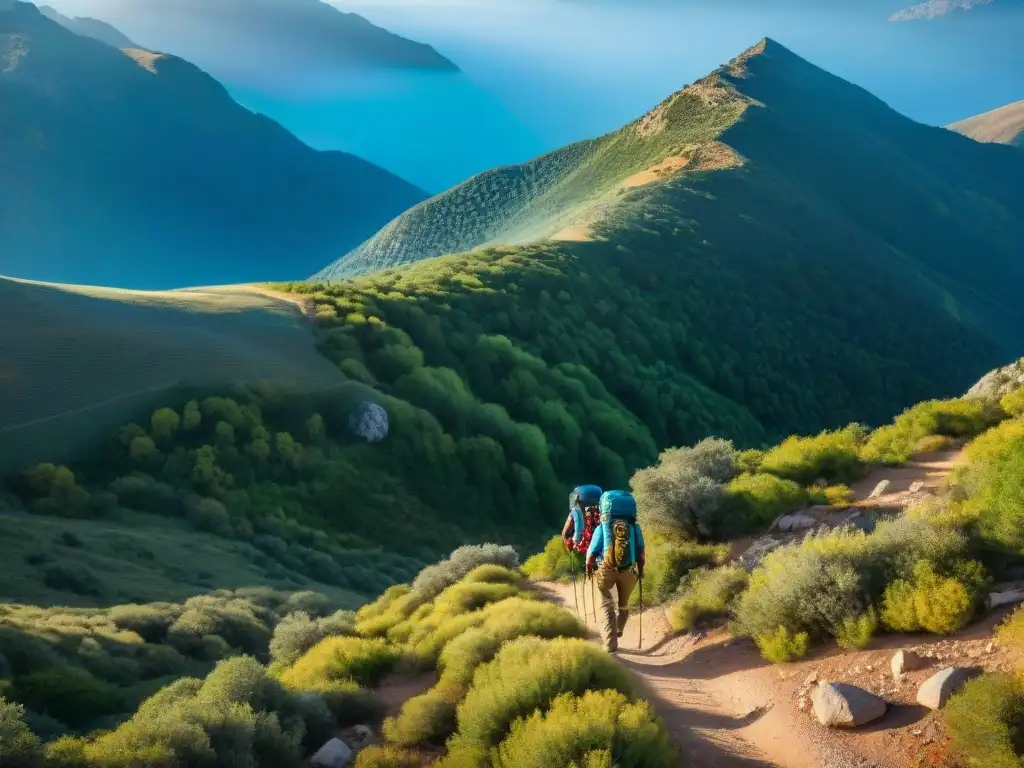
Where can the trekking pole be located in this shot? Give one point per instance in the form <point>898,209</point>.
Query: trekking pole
<point>641,613</point>
<point>593,598</point>
<point>576,599</point>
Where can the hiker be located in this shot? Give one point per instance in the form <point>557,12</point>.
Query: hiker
<point>616,559</point>
<point>584,517</point>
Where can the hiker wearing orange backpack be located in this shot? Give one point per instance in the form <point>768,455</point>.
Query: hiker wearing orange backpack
<point>616,559</point>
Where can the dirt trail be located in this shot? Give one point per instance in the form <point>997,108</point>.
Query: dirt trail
<point>930,469</point>
<point>689,682</point>
<point>724,706</point>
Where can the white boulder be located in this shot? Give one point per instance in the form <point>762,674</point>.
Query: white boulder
<point>334,754</point>
<point>936,690</point>
<point>369,421</point>
<point>839,705</point>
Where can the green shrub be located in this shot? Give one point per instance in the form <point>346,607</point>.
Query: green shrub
<point>749,461</point>
<point>830,456</point>
<point>986,721</point>
<point>1011,631</point>
<point>756,500</point>
<point>681,496</point>
<point>596,728</point>
<point>434,579</point>
<point>527,674</point>
<point>503,622</point>
<point>1013,402</point>
<point>296,633</point>
<point>554,563</point>
<point>855,633</point>
<point>237,716</point>
<point>429,717</point>
<point>989,490</point>
<point>73,578</point>
<point>70,694</point>
<point>897,442</point>
<point>239,622</point>
<point>782,646</point>
<point>363,660</point>
<point>928,601</point>
<point>19,747</point>
<point>471,595</point>
<point>932,444</point>
<point>706,593</point>
<point>669,562</point>
<point>816,586</point>
<point>388,756</point>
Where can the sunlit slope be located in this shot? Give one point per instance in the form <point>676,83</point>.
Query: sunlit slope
<point>562,193</point>
<point>77,360</point>
<point>1003,126</point>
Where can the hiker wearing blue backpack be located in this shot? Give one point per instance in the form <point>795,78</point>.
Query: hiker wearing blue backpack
<point>616,560</point>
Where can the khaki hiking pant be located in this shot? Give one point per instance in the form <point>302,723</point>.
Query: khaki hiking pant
<point>614,607</point>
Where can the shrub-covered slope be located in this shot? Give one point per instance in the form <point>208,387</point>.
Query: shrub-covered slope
<point>1004,125</point>
<point>139,170</point>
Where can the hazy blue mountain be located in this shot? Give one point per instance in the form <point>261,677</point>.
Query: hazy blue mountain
<point>94,28</point>
<point>136,169</point>
<point>337,81</point>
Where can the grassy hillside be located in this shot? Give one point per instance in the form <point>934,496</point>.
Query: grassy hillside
<point>1004,125</point>
<point>140,171</point>
<point>873,192</point>
<point>78,361</point>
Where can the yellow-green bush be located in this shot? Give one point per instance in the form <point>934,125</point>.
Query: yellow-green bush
<point>554,562</point>
<point>1011,632</point>
<point>749,461</point>
<point>990,488</point>
<point>819,585</point>
<point>493,574</point>
<point>379,606</point>
<point>782,646</point>
<point>986,721</point>
<point>758,499</point>
<point>838,496</point>
<point>470,595</point>
<point>932,444</point>
<point>597,728</point>
<point>831,456</point>
<point>706,593</point>
<point>929,601</point>
<point>362,660</point>
<point>961,417</point>
<point>1013,403</point>
<point>855,632</point>
<point>527,674</point>
<point>388,756</point>
<point>238,716</point>
<point>431,715</point>
<point>19,747</point>
<point>668,562</point>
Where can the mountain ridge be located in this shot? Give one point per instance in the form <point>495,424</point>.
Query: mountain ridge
<point>89,27</point>
<point>89,127</point>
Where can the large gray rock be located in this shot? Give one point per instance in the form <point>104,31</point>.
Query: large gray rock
<point>936,690</point>
<point>796,522</point>
<point>334,754</point>
<point>756,552</point>
<point>839,705</point>
<point>1008,597</point>
<point>905,661</point>
<point>369,421</point>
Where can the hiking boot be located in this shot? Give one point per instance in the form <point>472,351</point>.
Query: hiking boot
<point>620,633</point>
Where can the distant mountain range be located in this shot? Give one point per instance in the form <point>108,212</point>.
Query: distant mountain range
<point>936,9</point>
<point>137,169</point>
<point>251,40</point>
<point>89,27</point>
<point>1004,125</point>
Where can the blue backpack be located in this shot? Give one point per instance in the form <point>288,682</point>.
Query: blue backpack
<point>582,500</point>
<point>618,518</point>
